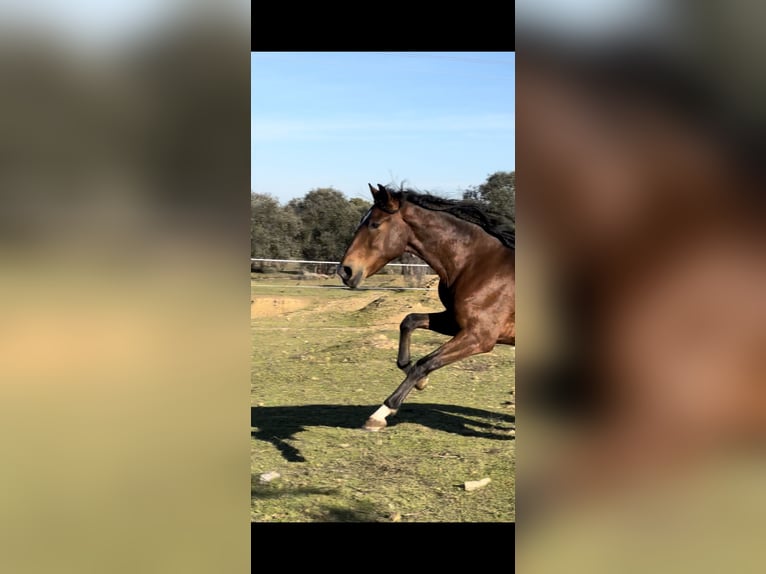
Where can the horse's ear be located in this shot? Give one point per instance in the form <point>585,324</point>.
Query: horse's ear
<point>380,195</point>
<point>384,199</point>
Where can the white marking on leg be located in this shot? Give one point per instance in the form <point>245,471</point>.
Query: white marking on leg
<point>382,413</point>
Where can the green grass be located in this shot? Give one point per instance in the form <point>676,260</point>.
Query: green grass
<point>320,370</point>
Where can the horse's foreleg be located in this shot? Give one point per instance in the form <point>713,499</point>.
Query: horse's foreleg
<point>408,325</point>
<point>442,322</point>
<point>462,345</point>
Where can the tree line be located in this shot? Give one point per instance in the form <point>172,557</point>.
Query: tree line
<point>320,225</point>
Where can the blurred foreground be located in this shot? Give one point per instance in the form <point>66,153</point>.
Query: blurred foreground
<point>124,342</point>
<point>642,250</point>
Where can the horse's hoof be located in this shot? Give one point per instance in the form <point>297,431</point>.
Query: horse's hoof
<point>421,384</point>
<point>374,425</point>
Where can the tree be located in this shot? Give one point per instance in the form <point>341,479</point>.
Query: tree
<point>360,206</point>
<point>274,230</point>
<point>328,221</point>
<point>498,193</point>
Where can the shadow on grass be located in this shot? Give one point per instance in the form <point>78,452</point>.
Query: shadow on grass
<point>265,491</point>
<point>356,511</point>
<point>277,425</point>
<point>362,511</point>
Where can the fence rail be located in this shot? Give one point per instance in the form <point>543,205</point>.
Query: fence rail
<point>331,262</point>
<point>416,278</point>
<point>362,288</point>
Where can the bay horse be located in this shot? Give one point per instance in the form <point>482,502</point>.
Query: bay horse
<point>471,249</point>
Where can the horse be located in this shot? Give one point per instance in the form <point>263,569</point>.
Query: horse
<point>471,248</point>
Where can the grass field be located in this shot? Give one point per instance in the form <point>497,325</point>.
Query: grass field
<point>322,360</point>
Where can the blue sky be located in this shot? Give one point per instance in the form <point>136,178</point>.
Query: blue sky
<point>441,121</point>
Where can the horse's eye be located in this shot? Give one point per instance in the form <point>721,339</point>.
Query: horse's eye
<point>374,224</point>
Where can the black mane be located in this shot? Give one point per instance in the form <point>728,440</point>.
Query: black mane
<point>492,222</point>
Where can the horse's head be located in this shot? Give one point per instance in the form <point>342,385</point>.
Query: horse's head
<point>382,235</point>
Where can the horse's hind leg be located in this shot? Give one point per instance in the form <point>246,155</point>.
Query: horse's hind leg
<point>442,322</point>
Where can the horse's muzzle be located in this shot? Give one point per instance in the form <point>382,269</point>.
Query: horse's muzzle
<point>348,276</point>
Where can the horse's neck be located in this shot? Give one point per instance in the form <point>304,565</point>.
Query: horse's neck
<point>440,240</point>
